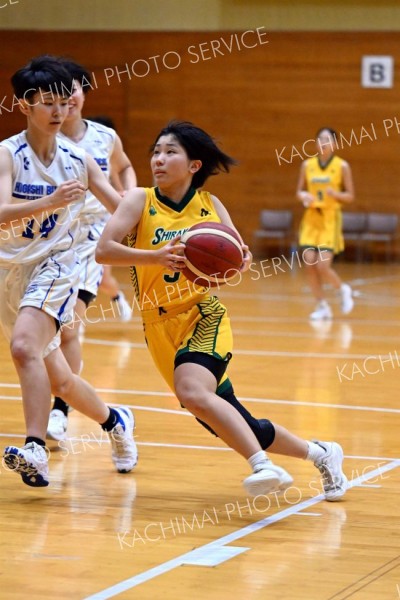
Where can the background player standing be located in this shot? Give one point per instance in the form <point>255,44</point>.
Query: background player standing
<point>325,182</point>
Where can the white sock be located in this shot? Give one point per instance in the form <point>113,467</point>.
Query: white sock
<point>314,451</point>
<point>258,461</point>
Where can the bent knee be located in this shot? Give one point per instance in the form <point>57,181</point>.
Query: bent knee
<point>23,350</point>
<point>191,397</point>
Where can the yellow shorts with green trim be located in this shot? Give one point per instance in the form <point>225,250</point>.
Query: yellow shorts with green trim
<point>205,327</point>
<point>322,228</point>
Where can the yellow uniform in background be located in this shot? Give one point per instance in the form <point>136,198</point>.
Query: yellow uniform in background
<point>321,225</point>
<point>178,316</point>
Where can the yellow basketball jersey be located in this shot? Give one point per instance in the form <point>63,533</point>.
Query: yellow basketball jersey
<point>319,178</point>
<point>162,220</point>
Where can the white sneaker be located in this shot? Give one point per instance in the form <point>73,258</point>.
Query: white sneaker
<point>334,481</point>
<point>269,479</point>
<point>57,427</point>
<point>30,462</point>
<point>124,310</point>
<point>322,311</point>
<point>124,450</point>
<point>347,301</point>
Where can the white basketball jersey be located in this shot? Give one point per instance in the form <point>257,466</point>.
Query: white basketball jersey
<point>32,238</point>
<point>98,141</point>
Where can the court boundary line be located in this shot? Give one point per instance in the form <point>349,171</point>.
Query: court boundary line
<point>190,446</point>
<point>270,353</point>
<point>192,555</point>
<point>132,392</point>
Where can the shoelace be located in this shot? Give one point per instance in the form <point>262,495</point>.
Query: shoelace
<point>118,440</point>
<point>328,480</point>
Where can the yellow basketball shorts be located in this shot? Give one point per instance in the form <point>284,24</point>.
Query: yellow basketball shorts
<point>322,229</point>
<point>205,327</point>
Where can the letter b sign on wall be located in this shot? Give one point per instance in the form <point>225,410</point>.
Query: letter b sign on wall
<point>377,71</point>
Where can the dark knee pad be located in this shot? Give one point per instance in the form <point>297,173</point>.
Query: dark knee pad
<point>263,429</point>
<point>268,433</point>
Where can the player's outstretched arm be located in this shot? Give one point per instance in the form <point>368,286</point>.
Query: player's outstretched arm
<point>110,249</point>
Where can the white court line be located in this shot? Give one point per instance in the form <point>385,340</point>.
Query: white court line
<point>184,446</point>
<point>193,555</point>
<point>322,405</point>
<point>362,299</point>
<point>307,514</point>
<point>332,335</point>
<point>249,319</point>
<point>272,353</point>
<point>241,398</point>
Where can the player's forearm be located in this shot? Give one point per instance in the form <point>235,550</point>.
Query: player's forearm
<point>107,195</point>
<point>13,213</point>
<point>113,253</point>
<point>127,178</point>
<point>344,197</point>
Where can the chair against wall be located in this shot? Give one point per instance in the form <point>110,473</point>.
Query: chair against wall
<point>354,227</point>
<point>275,225</point>
<point>382,227</point>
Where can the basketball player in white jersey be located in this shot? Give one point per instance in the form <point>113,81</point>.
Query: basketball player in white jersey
<point>43,180</point>
<point>106,148</point>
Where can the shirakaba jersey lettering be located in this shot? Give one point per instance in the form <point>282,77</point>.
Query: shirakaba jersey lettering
<point>98,141</point>
<point>31,238</point>
<point>161,221</point>
<point>162,235</point>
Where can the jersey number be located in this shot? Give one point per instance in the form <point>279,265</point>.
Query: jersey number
<point>172,278</point>
<point>44,229</point>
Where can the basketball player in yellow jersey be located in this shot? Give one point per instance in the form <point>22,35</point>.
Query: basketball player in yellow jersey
<point>325,183</point>
<point>188,331</point>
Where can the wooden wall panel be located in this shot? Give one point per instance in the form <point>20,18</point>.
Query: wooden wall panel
<point>254,101</point>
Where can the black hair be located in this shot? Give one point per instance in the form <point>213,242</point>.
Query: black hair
<point>331,131</point>
<point>198,145</point>
<point>44,73</point>
<point>103,120</point>
<point>78,72</point>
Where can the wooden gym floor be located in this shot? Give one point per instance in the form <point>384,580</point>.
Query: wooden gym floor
<point>180,525</point>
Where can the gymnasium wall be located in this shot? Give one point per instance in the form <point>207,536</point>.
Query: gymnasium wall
<point>262,94</point>
<point>200,15</point>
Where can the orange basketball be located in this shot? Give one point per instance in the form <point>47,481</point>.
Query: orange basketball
<point>213,254</point>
